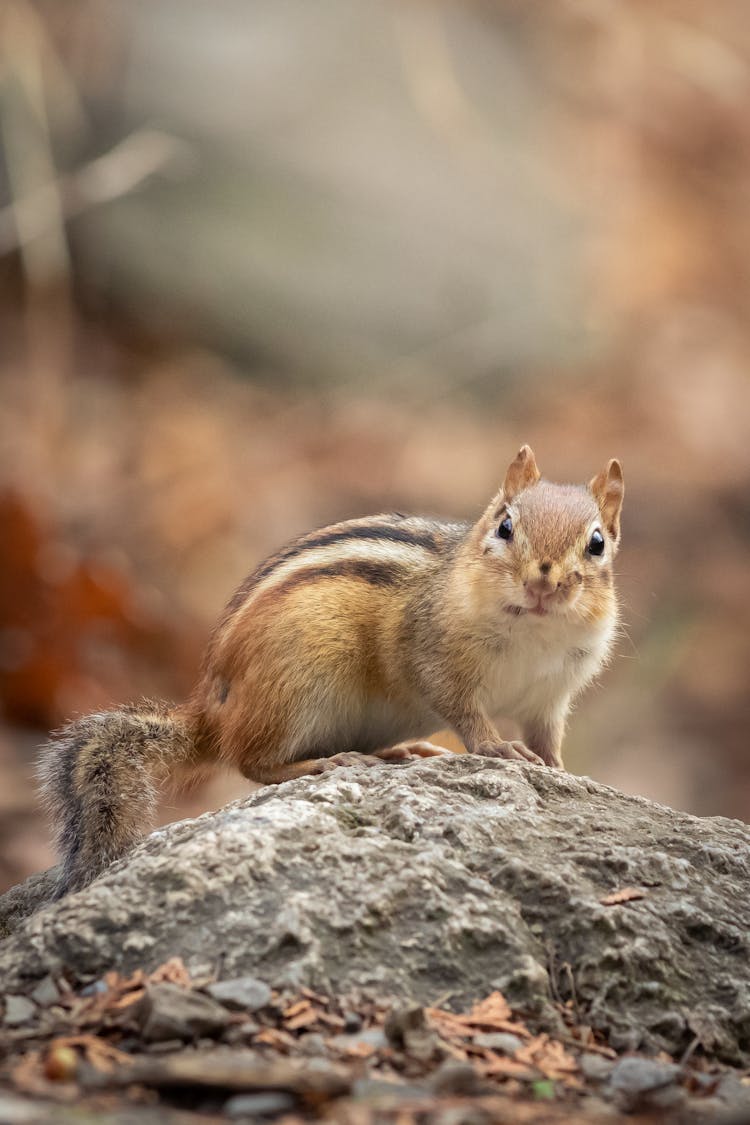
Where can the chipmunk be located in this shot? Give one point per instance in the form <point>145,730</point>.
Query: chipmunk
<point>362,639</point>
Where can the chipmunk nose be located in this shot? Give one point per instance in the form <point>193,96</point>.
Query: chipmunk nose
<point>545,582</point>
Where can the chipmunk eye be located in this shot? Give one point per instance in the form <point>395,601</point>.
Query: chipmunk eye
<point>505,530</point>
<point>596,544</point>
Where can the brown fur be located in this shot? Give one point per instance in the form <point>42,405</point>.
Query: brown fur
<point>356,638</point>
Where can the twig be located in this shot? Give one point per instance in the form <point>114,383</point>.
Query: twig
<point>567,968</point>
<point>116,173</point>
<point>687,1054</point>
<point>592,1048</point>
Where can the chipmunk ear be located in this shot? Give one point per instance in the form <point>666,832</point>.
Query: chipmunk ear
<point>608,489</point>
<point>521,473</point>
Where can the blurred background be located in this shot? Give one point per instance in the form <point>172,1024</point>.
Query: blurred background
<point>267,264</point>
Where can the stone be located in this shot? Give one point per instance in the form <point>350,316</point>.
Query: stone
<point>734,1093</point>
<point>171,1012</point>
<point>383,1092</point>
<point>259,1105</point>
<point>241,994</point>
<point>371,1037</point>
<point>19,1111</point>
<point>45,993</point>
<point>18,1010</point>
<point>640,1083</point>
<point>95,988</point>
<point>638,1075</point>
<point>241,1033</point>
<point>456,874</point>
<point>499,1041</point>
<point>313,1044</point>
<point>595,1068</point>
<point>455,1077</point>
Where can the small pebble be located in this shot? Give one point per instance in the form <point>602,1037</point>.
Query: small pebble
<point>352,1022</point>
<point>734,1093</point>
<point>18,1010</point>
<point>373,1037</point>
<point>241,1033</point>
<point>242,994</point>
<point>595,1067</point>
<point>94,989</point>
<point>381,1090</point>
<point>312,1043</point>
<point>499,1041</point>
<point>265,1104</point>
<point>19,1110</point>
<point>640,1083</point>
<point>455,1077</point>
<point>636,1075</point>
<point>45,993</point>
<point>170,1012</point>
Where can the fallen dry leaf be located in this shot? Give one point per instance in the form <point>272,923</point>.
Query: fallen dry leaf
<point>550,1058</point>
<point>491,1012</point>
<point>627,894</point>
<point>302,1019</point>
<point>172,971</point>
<point>101,1055</point>
<point>297,1009</point>
<point>273,1037</point>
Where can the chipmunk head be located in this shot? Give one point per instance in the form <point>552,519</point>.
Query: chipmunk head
<point>549,547</point>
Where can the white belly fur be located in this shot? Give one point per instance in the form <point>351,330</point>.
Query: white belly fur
<point>542,663</point>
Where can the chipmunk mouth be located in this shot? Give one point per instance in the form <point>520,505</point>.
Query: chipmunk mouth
<point>538,610</point>
<point>545,607</point>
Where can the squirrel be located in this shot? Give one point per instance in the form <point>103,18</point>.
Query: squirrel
<point>361,639</point>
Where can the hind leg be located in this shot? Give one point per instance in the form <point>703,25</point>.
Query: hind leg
<point>408,751</point>
<point>403,752</point>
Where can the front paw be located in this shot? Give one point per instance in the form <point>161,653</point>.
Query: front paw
<point>511,751</point>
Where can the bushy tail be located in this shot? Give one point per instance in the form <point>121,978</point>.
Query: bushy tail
<point>99,777</point>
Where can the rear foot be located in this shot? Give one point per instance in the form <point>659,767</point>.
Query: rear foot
<point>408,751</point>
<point>403,752</point>
<point>349,758</point>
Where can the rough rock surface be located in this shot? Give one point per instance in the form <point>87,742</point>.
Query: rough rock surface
<point>448,877</point>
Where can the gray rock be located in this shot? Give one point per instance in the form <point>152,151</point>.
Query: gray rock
<point>637,1075</point>
<point>19,1111</point>
<point>18,1010</point>
<point>45,993</point>
<point>638,1083</point>
<point>242,994</point>
<point>241,1033</point>
<point>259,1105</point>
<point>369,1037</point>
<point>499,1041</point>
<point>734,1094</point>
<point>455,1077</point>
<point>594,1067</point>
<point>382,1092</point>
<point>444,875</point>
<point>312,1044</point>
<point>171,1012</point>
